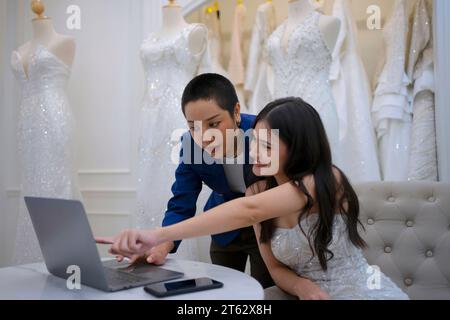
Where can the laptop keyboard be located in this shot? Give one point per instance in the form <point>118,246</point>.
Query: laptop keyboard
<point>115,277</point>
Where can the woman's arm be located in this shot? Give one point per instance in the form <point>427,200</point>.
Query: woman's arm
<point>243,212</point>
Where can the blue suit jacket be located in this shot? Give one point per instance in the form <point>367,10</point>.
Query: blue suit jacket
<point>190,177</point>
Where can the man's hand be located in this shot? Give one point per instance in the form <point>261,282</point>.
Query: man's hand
<point>308,290</point>
<point>157,255</point>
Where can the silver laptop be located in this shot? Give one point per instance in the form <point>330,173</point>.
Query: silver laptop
<point>66,240</point>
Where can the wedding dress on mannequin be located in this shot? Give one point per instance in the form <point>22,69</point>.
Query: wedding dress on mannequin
<point>299,53</point>
<point>423,154</point>
<point>171,58</point>
<point>257,66</point>
<point>352,94</point>
<point>391,112</point>
<point>45,129</point>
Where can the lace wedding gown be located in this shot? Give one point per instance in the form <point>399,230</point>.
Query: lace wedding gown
<point>302,70</point>
<point>352,93</point>
<point>423,153</point>
<point>169,65</point>
<point>348,276</point>
<point>391,112</point>
<point>45,140</point>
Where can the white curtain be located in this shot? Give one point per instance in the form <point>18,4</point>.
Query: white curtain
<point>105,91</point>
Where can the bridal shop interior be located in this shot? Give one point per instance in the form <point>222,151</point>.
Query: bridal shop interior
<point>384,102</point>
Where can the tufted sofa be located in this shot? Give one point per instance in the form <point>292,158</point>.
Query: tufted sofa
<point>408,232</point>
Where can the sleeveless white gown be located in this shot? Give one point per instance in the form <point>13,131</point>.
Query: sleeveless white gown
<point>302,70</point>
<point>347,276</point>
<point>169,65</point>
<point>45,141</point>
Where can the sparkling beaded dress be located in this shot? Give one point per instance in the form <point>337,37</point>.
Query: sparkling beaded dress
<point>348,277</point>
<point>302,70</point>
<point>169,65</point>
<point>45,141</point>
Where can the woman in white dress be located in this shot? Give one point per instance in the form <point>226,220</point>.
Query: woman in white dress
<point>305,212</point>
<point>352,93</point>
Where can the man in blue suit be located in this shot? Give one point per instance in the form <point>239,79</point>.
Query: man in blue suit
<point>210,103</point>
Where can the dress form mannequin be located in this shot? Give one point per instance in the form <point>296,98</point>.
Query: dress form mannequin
<point>299,10</point>
<point>44,34</point>
<point>174,23</point>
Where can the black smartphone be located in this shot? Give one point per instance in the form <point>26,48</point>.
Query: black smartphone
<point>181,287</point>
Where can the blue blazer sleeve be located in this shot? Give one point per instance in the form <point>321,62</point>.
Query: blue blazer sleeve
<point>183,204</point>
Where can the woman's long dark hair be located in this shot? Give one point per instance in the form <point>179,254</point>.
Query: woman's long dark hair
<point>302,130</point>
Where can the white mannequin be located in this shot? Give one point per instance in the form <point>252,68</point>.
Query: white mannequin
<point>44,34</point>
<point>174,23</point>
<point>298,11</point>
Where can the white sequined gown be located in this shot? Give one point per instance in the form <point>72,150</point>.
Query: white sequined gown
<point>169,65</point>
<point>348,277</point>
<point>45,141</point>
<point>302,70</point>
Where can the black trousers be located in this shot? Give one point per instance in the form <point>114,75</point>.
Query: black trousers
<point>235,256</point>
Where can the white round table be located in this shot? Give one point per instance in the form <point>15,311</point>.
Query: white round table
<point>33,282</point>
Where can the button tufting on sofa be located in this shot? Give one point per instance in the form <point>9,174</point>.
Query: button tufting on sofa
<point>410,223</point>
<point>416,221</point>
<point>408,282</point>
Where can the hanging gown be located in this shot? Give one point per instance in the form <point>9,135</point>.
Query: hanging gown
<point>303,70</point>
<point>423,153</point>
<point>257,66</point>
<point>45,141</point>
<point>212,21</point>
<point>236,68</point>
<point>391,112</point>
<point>169,65</point>
<point>352,94</point>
